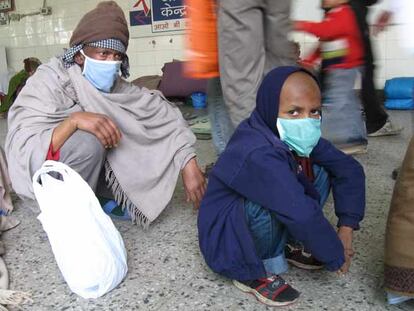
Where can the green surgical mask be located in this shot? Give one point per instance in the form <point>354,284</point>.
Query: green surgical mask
<point>301,135</point>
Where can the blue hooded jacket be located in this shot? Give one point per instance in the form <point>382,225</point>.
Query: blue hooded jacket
<point>259,167</point>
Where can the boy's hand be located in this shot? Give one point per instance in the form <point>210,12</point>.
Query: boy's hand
<point>345,234</point>
<point>194,182</point>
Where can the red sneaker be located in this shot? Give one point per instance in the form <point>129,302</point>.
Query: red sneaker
<point>272,291</point>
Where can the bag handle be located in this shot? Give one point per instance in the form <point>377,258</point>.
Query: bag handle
<point>51,166</point>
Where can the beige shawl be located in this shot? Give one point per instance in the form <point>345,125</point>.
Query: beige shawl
<point>142,171</point>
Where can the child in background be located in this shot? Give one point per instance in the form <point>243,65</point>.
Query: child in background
<point>273,179</point>
<point>296,50</point>
<point>342,54</point>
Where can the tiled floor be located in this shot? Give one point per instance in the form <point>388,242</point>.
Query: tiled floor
<point>166,271</point>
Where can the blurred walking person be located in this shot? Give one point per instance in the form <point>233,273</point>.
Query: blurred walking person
<point>252,41</point>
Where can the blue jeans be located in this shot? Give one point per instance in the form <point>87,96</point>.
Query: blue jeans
<point>221,126</point>
<point>270,235</point>
<point>343,122</point>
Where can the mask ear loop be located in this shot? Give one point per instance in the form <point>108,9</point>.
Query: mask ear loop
<point>86,58</point>
<point>280,129</point>
<point>83,53</point>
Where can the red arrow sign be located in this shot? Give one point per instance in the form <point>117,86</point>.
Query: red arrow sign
<point>144,5</point>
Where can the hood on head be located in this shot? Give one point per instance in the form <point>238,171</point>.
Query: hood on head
<point>268,95</point>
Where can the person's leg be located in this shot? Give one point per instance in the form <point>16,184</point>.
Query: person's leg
<point>277,25</point>
<point>378,121</point>
<point>241,54</point>
<point>342,119</point>
<point>269,236</point>
<point>375,113</point>
<point>84,153</point>
<point>221,126</point>
<point>295,252</point>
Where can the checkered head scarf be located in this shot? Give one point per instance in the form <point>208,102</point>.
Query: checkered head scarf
<point>106,27</point>
<point>113,44</point>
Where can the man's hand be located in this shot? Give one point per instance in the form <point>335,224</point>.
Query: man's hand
<point>194,182</point>
<point>99,125</point>
<point>297,25</point>
<point>381,22</point>
<point>345,234</point>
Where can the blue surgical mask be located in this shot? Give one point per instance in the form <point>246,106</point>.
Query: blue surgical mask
<point>301,135</point>
<point>101,73</point>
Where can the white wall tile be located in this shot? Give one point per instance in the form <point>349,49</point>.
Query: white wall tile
<point>393,32</point>
<point>380,72</point>
<point>399,68</point>
<point>146,44</point>
<point>162,57</point>
<point>12,42</point>
<point>178,42</point>
<point>42,52</point>
<point>306,10</point>
<point>54,50</point>
<point>395,51</point>
<point>50,38</point>
<point>13,28</point>
<point>48,25</point>
<point>3,59</point>
<point>379,83</point>
<point>144,58</point>
<point>62,37</point>
<point>179,54</point>
<point>379,48</point>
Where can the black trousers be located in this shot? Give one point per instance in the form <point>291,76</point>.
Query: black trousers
<point>375,113</point>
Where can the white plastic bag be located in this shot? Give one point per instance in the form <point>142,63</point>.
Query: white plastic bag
<point>88,248</point>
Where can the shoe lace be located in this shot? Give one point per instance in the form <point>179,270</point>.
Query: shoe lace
<point>275,281</point>
<point>305,254</point>
<point>293,248</point>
